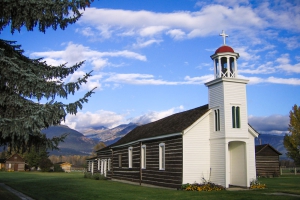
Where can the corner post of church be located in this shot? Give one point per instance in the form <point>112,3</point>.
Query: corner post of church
<point>248,160</point>
<point>227,164</point>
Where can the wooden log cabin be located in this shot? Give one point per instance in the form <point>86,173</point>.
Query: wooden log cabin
<point>15,163</point>
<point>212,142</point>
<point>267,160</point>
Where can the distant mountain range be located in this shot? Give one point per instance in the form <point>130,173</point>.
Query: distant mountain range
<point>74,144</point>
<point>109,136</point>
<point>78,143</point>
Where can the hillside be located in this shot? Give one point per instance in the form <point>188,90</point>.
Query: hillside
<point>75,143</point>
<point>109,136</point>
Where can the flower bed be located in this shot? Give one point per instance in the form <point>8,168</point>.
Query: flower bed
<point>255,184</point>
<point>205,186</point>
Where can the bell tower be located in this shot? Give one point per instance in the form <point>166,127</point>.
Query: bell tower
<point>227,94</point>
<point>225,61</point>
<point>229,135</point>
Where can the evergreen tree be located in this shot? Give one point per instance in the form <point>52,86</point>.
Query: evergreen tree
<point>24,82</point>
<point>34,157</point>
<point>292,141</point>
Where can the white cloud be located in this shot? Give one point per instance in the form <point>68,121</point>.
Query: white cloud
<point>152,30</point>
<point>276,80</point>
<point>199,80</point>
<point>75,53</point>
<point>176,24</point>
<point>148,79</point>
<point>177,34</point>
<point>137,79</point>
<point>284,64</point>
<point>267,68</point>
<point>143,44</point>
<point>291,42</point>
<point>152,116</point>
<point>281,14</point>
<point>86,120</point>
<point>274,124</point>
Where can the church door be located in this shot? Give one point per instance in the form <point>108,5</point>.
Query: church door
<point>238,163</point>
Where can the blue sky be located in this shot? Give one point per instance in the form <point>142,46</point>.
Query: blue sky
<point>151,58</point>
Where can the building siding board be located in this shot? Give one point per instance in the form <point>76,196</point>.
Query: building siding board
<point>217,162</point>
<point>196,153</point>
<point>267,161</point>
<point>170,177</point>
<point>235,96</point>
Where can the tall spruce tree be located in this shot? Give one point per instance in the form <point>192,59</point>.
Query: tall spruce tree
<point>292,141</point>
<point>24,82</point>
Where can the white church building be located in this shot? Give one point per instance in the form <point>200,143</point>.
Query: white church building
<point>214,141</point>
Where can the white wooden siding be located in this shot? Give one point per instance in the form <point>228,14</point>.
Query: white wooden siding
<point>217,161</point>
<point>235,96</point>
<point>251,159</point>
<point>196,152</point>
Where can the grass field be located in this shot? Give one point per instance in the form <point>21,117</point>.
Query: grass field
<point>73,186</point>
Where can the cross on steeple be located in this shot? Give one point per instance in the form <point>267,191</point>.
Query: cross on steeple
<point>224,36</point>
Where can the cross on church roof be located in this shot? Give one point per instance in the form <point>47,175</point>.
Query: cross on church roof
<point>224,36</point>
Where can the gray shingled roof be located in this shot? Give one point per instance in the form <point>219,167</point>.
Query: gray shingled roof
<point>175,123</point>
<point>259,148</point>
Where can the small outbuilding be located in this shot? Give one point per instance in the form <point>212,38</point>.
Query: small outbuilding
<point>65,166</point>
<point>15,163</point>
<point>267,160</point>
<point>2,163</point>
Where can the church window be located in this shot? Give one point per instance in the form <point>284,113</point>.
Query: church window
<point>217,67</point>
<point>236,121</point>
<point>143,157</point>
<point>130,157</point>
<point>231,60</point>
<point>108,164</point>
<point>120,160</point>
<point>217,120</point>
<point>224,66</point>
<point>98,164</point>
<point>162,156</point>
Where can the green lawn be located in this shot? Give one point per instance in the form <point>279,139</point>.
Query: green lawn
<point>73,186</point>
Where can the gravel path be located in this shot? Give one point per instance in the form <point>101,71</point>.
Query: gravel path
<point>15,192</point>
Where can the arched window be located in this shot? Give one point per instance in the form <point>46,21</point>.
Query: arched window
<point>162,156</point>
<point>224,66</point>
<point>217,67</point>
<point>217,120</point>
<point>108,164</point>
<point>236,121</point>
<point>143,157</point>
<point>231,61</point>
<point>130,157</point>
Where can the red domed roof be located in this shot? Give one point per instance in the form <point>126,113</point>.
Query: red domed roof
<point>224,49</point>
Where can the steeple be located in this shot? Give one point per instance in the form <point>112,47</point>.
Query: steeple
<point>225,60</point>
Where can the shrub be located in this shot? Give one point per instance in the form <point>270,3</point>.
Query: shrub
<point>205,186</point>
<point>57,168</point>
<point>95,176</point>
<point>255,184</point>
